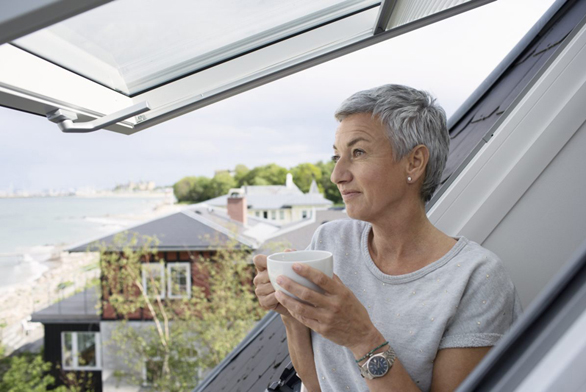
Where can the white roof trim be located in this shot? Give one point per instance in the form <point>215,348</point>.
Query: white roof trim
<point>532,132</point>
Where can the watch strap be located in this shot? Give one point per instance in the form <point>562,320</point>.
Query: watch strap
<point>389,355</point>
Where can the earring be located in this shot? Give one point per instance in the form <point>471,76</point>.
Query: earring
<point>409,179</point>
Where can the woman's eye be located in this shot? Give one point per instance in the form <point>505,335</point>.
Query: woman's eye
<point>357,153</point>
<point>335,158</point>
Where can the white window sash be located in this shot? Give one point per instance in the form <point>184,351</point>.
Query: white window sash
<point>187,267</point>
<point>146,277</point>
<point>75,352</point>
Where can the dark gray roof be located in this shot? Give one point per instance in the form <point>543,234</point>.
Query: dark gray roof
<point>79,308</point>
<point>183,230</point>
<point>474,128</point>
<point>252,365</point>
<point>467,133</point>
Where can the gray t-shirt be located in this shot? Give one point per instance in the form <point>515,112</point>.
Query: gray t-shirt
<point>464,299</point>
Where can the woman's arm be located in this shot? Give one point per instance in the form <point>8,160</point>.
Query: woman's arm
<point>298,335</point>
<point>301,352</point>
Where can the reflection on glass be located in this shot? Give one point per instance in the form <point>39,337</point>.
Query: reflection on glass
<point>134,45</point>
<point>86,349</point>
<point>179,279</point>
<point>67,350</point>
<point>153,279</point>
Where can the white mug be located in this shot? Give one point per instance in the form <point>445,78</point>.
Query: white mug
<point>282,263</point>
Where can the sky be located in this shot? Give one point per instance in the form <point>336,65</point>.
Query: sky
<point>287,122</point>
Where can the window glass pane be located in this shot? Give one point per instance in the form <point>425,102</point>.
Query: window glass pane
<point>134,45</point>
<point>67,350</point>
<point>179,279</point>
<point>282,214</point>
<point>86,349</point>
<point>273,215</point>
<point>153,279</point>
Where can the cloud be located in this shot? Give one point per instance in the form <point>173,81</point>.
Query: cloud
<point>287,122</point>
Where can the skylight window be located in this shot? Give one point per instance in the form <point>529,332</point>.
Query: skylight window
<point>133,45</point>
<point>130,64</point>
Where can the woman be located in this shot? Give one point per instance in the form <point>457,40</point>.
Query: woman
<point>409,308</point>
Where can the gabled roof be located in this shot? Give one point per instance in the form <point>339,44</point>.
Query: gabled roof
<point>180,231</point>
<point>468,131</point>
<point>273,197</point>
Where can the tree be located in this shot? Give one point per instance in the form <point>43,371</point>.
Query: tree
<point>304,174</point>
<point>27,372</point>
<point>182,188</point>
<point>186,333</point>
<point>239,172</point>
<point>221,184</point>
<point>330,189</point>
<point>271,174</point>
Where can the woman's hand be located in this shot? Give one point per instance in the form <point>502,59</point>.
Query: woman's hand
<point>264,289</point>
<point>337,314</point>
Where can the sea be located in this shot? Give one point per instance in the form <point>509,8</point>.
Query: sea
<point>30,228</point>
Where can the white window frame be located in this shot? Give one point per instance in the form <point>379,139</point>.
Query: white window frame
<point>161,268</point>
<point>75,351</point>
<point>282,214</point>
<point>46,87</point>
<point>187,266</point>
<point>273,215</point>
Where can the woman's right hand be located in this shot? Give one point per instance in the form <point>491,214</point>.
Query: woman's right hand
<point>264,289</point>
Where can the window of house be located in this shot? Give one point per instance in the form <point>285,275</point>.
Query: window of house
<point>179,280</point>
<point>153,279</point>
<point>273,215</point>
<point>265,214</point>
<point>257,213</point>
<point>80,351</point>
<point>304,214</point>
<point>281,214</point>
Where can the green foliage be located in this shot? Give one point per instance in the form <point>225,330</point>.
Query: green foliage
<point>304,174</point>
<point>27,372</point>
<point>188,333</point>
<point>330,189</point>
<point>271,174</point>
<point>198,189</point>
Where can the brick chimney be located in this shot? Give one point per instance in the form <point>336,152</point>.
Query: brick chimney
<point>237,208</point>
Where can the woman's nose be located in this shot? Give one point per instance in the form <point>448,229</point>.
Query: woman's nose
<point>340,174</point>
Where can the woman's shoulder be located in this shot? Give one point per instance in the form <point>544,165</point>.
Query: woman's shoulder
<point>482,265</point>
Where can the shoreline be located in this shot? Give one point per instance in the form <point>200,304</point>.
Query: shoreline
<point>38,260</point>
<point>57,275</point>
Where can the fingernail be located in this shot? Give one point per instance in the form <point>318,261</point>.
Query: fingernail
<point>296,267</point>
<point>279,280</point>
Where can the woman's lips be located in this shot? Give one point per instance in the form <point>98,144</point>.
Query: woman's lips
<point>349,195</point>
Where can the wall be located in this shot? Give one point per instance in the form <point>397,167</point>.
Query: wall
<point>547,224</point>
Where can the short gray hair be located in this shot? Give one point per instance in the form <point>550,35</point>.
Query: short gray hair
<point>411,117</point>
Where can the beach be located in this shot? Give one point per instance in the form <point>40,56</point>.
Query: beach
<point>33,276</point>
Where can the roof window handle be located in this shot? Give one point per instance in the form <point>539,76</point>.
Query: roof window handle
<point>64,118</point>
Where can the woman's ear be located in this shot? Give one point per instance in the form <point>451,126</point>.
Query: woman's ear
<point>417,162</point>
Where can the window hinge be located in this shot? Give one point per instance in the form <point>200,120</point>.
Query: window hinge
<point>65,118</point>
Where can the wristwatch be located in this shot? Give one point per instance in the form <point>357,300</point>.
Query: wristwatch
<point>378,364</point>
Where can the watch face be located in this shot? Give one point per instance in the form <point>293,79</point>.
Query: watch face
<point>378,366</point>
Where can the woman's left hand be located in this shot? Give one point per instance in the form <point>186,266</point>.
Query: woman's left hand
<point>337,314</point>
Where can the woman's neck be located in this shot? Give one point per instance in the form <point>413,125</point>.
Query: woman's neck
<point>406,241</point>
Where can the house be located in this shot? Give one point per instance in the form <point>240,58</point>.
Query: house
<point>79,326</point>
<point>513,183</point>
<point>279,203</point>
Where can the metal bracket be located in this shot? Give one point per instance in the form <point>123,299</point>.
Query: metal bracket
<point>65,118</point>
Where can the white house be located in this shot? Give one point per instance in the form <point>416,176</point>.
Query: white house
<point>279,203</point>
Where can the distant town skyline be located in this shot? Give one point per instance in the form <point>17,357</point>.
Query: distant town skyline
<point>285,122</point>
